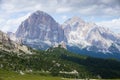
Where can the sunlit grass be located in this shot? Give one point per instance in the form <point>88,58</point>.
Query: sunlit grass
<point>9,75</point>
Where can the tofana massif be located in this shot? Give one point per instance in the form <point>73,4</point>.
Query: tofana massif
<point>41,31</point>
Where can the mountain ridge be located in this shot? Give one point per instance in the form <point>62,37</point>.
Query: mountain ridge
<point>41,31</point>
<point>8,45</point>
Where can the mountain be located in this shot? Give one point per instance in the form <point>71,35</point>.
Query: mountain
<point>89,38</point>
<point>7,45</point>
<point>82,34</point>
<point>40,30</point>
<point>75,30</point>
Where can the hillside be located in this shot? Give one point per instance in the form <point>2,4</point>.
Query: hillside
<point>7,45</point>
<point>60,62</point>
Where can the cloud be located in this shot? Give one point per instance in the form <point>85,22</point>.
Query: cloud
<point>93,7</point>
<point>1,20</point>
<point>63,9</point>
<point>12,24</point>
<point>14,9</point>
<point>64,17</point>
<point>113,25</point>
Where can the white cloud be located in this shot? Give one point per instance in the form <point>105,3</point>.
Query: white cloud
<point>113,25</point>
<point>63,10</point>
<point>91,8</point>
<point>12,24</point>
<point>64,17</point>
<point>2,20</point>
<point>84,8</point>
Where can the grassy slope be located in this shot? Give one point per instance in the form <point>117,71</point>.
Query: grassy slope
<point>9,75</point>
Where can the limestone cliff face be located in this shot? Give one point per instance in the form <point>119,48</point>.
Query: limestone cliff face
<point>40,27</point>
<point>88,35</point>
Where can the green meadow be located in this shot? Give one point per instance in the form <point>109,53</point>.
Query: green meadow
<point>9,75</point>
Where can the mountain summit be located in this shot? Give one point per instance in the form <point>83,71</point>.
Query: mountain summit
<point>40,30</point>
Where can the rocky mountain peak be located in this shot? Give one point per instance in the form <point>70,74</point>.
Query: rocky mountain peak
<point>41,17</point>
<point>4,38</point>
<point>9,45</point>
<point>40,27</point>
<point>74,21</point>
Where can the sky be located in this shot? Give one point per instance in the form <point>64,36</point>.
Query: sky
<point>105,13</point>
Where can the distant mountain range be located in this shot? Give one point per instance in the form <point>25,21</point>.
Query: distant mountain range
<point>41,31</point>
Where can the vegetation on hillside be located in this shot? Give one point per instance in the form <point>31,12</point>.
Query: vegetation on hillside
<point>59,62</point>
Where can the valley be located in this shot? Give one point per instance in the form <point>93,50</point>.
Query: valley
<point>59,62</point>
<point>59,39</point>
<point>43,49</point>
